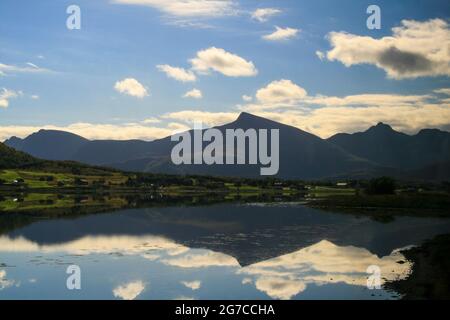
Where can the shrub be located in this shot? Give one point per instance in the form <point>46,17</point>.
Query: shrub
<point>382,185</point>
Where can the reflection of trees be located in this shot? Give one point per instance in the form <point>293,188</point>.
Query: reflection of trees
<point>77,205</point>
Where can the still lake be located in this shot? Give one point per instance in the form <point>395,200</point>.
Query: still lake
<point>220,251</point>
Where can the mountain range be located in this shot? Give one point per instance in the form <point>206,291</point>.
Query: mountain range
<point>377,151</point>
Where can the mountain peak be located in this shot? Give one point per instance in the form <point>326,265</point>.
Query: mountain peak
<point>46,133</point>
<point>245,115</point>
<point>14,138</point>
<point>248,120</point>
<point>381,127</point>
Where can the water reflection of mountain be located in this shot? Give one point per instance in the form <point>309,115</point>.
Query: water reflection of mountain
<point>283,277</point>
<point>250,233</point>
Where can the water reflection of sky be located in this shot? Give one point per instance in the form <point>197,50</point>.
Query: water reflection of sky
<point>214,252</point>
<point>152,267</point>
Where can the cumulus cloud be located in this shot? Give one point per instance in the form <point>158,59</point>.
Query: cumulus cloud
<point>194,93</point>
<point>188,8</point>
<point>281,34</point>
<point>247,98</point>
<point>281,91</point>
<point>415,49</point>
<point>287,102</point>
<point>129,291</point>
<point>6,95</point>
<point>35,97</point>
<point>285,93</point>
<point>131,87</point>
<point>327,121</point>
<point>178,74</point>
<point>264,14</point>
<point>226,63</point>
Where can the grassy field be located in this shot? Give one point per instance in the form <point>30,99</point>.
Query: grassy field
<point>322,192</point>
<point>34,179</point>
<point>37,202</point>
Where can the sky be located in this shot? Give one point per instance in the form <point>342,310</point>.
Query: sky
<point>147,68</point>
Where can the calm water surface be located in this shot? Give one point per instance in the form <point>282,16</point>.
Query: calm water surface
<point>225,251</point>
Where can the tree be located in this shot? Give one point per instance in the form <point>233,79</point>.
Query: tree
<point>382,185</point>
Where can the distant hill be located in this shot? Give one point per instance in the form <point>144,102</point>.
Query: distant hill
<point>383,145</point>
<point>377,151</point>
<point>11,158</point>
<point>61,145</point>
<point>49,144</point>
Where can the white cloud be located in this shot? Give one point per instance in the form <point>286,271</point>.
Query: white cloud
<point>227,63</point>
<point>202,260</point>
<point>177,127</point>
<point>29,68</point>
<point>179,74</point>
<point>35,97</point>
<point>94,131</point>
<point>281,34</point>
<point>415,49</point>
<point>188,8</point>
<point>281,91</point>
<point>286,102</point>
<point>327,121</point>
<point>193,285</point>
<point>247,98</point>
<point>369,100</point>
<point>322,263</point>
<point>5,95</point>
<point>320,55</point>
<point>32,65</point>
<point>131,87</point>
<point>207,118</point>
<point>126,245</point>
<point>194,93</point>
<point>264,14</point>
<point>4,282</point>
<point>445,91</point>
<point>151,120</point>
<point>129,291</point>
<point>184,298</point>
<point>280,287</point>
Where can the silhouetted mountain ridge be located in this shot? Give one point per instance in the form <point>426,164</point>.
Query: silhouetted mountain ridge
<point>387,147</point>
<point>302,155</point>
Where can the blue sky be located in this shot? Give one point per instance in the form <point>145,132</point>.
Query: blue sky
<point>54,77</point>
